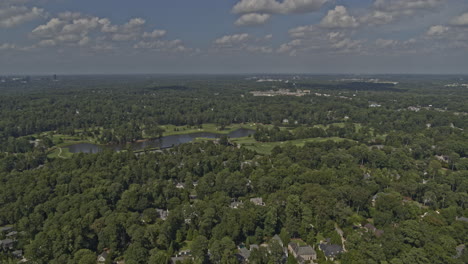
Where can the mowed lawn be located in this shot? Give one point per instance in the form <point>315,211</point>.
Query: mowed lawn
<point>267,147</point>
<point>210,128</point>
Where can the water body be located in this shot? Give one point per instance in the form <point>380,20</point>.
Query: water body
<point>163,142</point>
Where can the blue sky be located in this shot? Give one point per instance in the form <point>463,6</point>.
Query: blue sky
<point>233,36</point>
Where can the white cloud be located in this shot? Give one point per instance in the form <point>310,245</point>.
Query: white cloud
<point>437,30</point>
<point>461,20</point>
<point>161,45</point>
<point>290,47</point>
<point>155,34</point>
<point>405,5</point>
<point>302,31</point>
<point>12,16</point>
<point>252,19</point>
<point>386,43</point>
<point>316,39</point>
<point>386,11</point>
<point>232,39</point>
<point>75,29</point>
<point>260,49</point>
<point>7,46</point>
<point>277,6</point>
<point>339,18</point>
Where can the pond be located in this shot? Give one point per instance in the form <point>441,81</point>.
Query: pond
<point>163,142</point>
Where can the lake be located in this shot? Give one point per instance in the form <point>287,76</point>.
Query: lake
<point>163,142</point>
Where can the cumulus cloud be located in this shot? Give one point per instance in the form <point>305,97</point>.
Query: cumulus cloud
<point>318,39</point>
<point>461,20</point>
<point>386,43</point>
<point>277,6</point>
<point>162,45</point>
<point>339,18</point>
<point>437,30</point>
<point>252,19</point>
<point>229,40</point>
<point>289,47</point>
<point>7,46</point>
<point>73,28</point>
<point>406,5</point>
<point>99,34</point>
<point>386,11</point>
<point>155,34</point>
<point>12,16</point>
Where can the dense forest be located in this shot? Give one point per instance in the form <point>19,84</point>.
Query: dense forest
<point>352,172</point>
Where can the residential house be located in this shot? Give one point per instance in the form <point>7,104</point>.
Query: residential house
<point>235,205</point>
<point>181,256</point>
<point>163,214</point>
<point>243,255</point>
<point>257,201</point>
<point>103,256</point>
<point>12,234</point>
<point>7,244</point>
<point>6,229</point>
<point>303,254</point>
<point>459,249</point>
<point>17,254</point>
<point>330,250</point>
<point>180,185</point>
<point>463,219</point>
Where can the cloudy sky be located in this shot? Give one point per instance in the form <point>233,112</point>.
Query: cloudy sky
<point>233,36</point>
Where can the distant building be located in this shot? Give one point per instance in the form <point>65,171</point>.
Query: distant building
<point>460,250</point>
<point>6,229</point>
<point>303,254</point>
<point>17,254</point>
<point>257,201</point>
<point>163,214</point>
<point>7,244</point>
<point>235,205</point>
<point>181,256</point>
<point>330,250</point>
<point>12,234</point>
<point>243,255</point>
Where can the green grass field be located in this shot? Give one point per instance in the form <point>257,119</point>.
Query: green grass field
<point>210,128</point>
<point>267,147</point>
<point>62,153</point>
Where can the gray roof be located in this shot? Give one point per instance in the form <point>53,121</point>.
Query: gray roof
<point>305,251</point>
<point>302,250</point>
<point>176,259</point>
<point>257,201</point>
<point>464,219</point>
<point>245,253</point>
<point>104,254</point>
<point>460,249</point>
<point>6,241</point>
<point>331,250</point>
<point>12,233</point>
<point>5,228</point>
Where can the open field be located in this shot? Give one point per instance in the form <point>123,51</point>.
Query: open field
<point>210,128</point>
<point>267,147</point>
<point>59,152</point>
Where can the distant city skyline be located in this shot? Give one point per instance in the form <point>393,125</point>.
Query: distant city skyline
<point>47,37</point>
